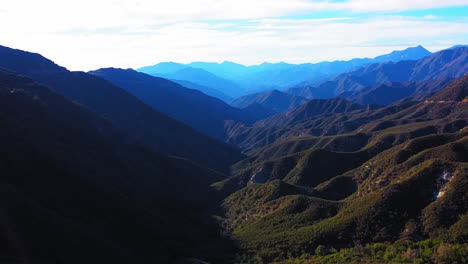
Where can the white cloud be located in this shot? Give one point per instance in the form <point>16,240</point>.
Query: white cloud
<point>90,34</point>
<point>395,5</point>
<point>430,17</point>
<point>106,13</point>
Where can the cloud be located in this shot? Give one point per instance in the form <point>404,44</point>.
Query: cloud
<point>308,40</point>
<point>91,34</point>
<point>395,5</point>
<point>118,12</point>
<point>430,17</point>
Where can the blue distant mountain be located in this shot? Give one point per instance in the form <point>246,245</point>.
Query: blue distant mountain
<point>275,101</point>
<point>197,76</point>
<point>380,83</point>
<point>205,89</point>
<point>163,68</point>
<point>237,80</point>
<point>413,53</point>
<point>227,69</point>
<point>387,82</point>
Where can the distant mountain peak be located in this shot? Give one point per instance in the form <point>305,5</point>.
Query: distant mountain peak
<point>113,69</point>
<point>231,63</point>
<point>420,48</point>
<point>411,53</point>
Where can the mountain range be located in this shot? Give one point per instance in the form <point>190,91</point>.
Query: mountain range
<point>196,76</point>
<point>363,161</point>
<point>388,82</point>
<point>204,113</point>
<point>238,80</point>
<point>275,101</point>
<point>142,123</point>
<point>305,189</point>
<point>450,63</point>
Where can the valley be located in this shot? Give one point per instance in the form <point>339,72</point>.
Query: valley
<point>359,161</point>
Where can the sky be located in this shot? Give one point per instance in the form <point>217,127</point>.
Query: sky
<point>90,34</point>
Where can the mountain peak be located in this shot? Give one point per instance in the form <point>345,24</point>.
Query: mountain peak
<point>419,48</point>
<point>19,61</point>
<point>231,63</point>
<point>113,69</point>
<point>411,53</point>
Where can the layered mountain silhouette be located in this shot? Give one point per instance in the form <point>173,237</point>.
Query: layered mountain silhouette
<point>284,76</point>
<point>450,63</point>
<point>269,130</point>
<point>179,72</point>
<point>127,113</point>
<point>202,112</point>
<point>363,161</point>
<point>401,81</point>
<point>268,76</point>
<point>206,90</point>
<point>303,90</point>
<point>391,92</point>
<point>275,101</point>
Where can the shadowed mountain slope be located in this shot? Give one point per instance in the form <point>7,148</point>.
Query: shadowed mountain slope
<point>329,117</point>
<point>457,91</point>
<point>206,90</point>
<point>267,131</point>
<point>389,93</point>
<point>74,190</point>
<point>276,101</point>
<point>202,112</point>
<point>127,113</point>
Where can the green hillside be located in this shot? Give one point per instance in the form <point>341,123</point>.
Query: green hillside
<point>400,175</point>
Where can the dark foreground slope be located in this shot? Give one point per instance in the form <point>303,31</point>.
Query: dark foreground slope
<point>400,174</point>
<point>153,129</point>
<point>74,190</point>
